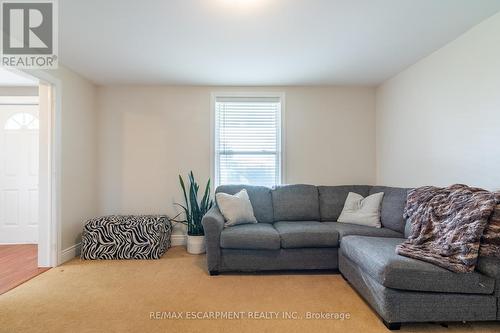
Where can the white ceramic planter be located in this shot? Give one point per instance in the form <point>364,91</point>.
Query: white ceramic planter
<point>196,244</point>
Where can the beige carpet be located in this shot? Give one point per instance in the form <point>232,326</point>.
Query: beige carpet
<point>118,296</point>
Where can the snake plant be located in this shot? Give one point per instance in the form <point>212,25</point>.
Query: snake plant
<point>192,209</point>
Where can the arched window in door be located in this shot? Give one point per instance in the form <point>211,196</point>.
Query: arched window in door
<point>22,120</point>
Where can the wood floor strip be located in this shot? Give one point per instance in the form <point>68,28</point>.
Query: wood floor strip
<point>18,264</point>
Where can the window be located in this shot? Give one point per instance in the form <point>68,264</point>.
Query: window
<point>247,140</point>
<point>22,120</point>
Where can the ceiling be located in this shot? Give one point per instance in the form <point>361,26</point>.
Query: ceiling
<point>257,42</point>
<point>16,79</point>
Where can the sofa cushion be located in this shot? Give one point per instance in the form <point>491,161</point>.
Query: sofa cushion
<point>259,236</point>
<point>377,257</point>
<point>332,199</point>
<point>490,267</point>
<point>300,234</point>
<point>260,197</point>
<point>347,229</point>
<point>393,205</point>
<point>296,203</point>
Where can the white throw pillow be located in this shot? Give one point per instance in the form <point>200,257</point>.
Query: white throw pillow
<point>362,211</point>
<point>236,209</point>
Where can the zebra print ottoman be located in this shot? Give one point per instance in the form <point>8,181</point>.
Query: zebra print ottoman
<point>126,237</point>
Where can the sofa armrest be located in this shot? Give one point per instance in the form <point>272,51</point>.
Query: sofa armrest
<point>213,223</point>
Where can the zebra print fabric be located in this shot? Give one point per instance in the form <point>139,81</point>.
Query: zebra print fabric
<point>126,237</point>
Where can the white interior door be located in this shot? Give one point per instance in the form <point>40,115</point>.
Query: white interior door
<point>19,135</point>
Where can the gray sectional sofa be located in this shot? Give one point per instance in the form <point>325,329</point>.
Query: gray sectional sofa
<point>297,230</point>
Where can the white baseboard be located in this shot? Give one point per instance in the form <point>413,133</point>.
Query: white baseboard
<point>70,253</point>
<point>178,240</point>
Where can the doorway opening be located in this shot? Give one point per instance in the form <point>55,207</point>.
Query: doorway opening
<point>26,112</point>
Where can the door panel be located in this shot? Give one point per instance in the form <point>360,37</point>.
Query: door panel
<point>33,207</point>
<point>11,207</point>
<point>33,155</point>
<point>19,158</point>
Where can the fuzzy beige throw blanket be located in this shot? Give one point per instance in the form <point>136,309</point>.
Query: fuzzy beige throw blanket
<point>490,242</point>
<point>447,225</point>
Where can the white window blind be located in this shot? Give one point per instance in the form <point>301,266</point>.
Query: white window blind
<point>248,140</point>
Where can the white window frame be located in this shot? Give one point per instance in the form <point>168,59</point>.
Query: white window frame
<point>214,156</point>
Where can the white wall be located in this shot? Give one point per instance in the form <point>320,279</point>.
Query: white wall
<point>78,153</point>
<point>150,134</point>
<point>438,122</point>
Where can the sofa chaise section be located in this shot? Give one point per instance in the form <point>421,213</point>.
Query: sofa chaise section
<point>377,257</point>
<point>400,306</point>
<point>403,289</point>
